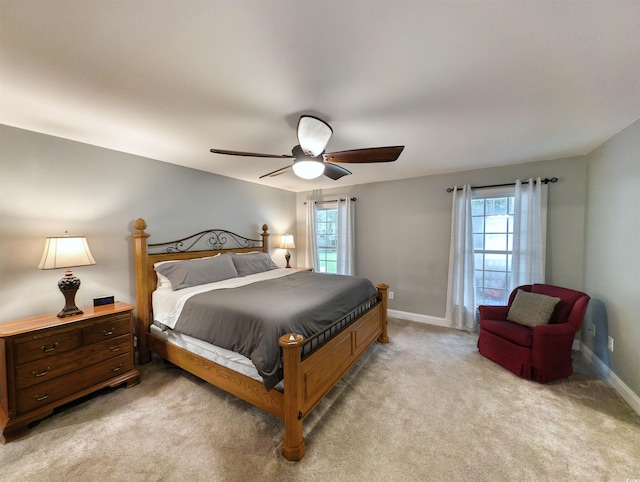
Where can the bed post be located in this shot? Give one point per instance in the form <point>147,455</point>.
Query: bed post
<point>293,446</point>
<point>265,238</point>
<point>142,289</point>
<point>382,289</point>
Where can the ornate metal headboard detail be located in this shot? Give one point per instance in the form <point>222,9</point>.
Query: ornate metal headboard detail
<point>209,240</point>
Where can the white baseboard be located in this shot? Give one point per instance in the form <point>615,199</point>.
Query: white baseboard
<point>612,379</point>
<point>619,386</point>
<point>429,320</point>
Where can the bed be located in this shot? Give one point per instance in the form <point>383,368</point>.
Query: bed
<point>308,366</point>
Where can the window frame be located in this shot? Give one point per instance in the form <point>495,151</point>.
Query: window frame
<point>492,283</point>
<point>324,264</point>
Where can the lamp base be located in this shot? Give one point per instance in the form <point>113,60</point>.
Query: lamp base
<point>287,256</point>
<point>70,311</point>
<point>69,286</point>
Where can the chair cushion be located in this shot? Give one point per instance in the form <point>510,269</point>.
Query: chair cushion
<point>531,309</point>
<point>513,332</point>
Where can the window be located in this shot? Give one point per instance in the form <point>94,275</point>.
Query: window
<point>492,221</point>
<point>330,231</point>
<point>327,237</point>
<point>498,239</point>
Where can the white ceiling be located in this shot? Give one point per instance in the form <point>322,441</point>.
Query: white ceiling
<point>461,84</point>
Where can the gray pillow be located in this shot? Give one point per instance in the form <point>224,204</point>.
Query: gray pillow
<point>194,272</point>
<point>532,309</point>
<point>253,263</point>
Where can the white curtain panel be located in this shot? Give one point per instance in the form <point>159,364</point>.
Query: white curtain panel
<point>312,253</point>
<point>346,237</point>
<point>529,233</point>
<point>461,299</point>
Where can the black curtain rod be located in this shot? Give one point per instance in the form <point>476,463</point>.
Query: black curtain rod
<point>546,180</point>
<point>331,201</point>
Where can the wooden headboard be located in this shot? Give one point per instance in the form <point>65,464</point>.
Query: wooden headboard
<point>205,243</point>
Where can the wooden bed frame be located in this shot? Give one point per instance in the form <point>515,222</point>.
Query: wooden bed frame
<point>306,381</point>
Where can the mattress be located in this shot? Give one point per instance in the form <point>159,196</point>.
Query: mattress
<point>219,355</point>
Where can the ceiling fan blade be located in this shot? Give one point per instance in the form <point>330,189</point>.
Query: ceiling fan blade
<point>313,135</point>
<point>277,172</point>
<point>334,171</point>
<point>250,154</point>
<point>371,154</point>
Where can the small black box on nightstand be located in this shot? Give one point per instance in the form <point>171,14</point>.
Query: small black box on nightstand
<point>103,300</point>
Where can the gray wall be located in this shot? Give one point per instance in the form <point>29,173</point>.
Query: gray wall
<point>612,259</point>
<point>49,185</point>
<point>403,229</point>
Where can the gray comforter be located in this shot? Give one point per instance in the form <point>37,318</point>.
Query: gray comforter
<point>250,319</point>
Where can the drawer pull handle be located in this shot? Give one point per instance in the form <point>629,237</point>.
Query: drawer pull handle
<point>37,398</point>
<point>42,373</point>
<point>116,369</point>
<point>115,348</point>
<point>107,333</point>
<point>47,349</point>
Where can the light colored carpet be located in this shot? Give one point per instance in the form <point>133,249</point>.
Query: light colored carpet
<point>425,407</point>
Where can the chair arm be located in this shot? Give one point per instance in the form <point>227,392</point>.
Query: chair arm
<point>552,343</point>
<point>489,312</point>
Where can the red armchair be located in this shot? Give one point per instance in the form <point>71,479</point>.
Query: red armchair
<point>541,353</point>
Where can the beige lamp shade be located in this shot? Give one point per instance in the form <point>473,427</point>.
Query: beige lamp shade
<point>66,252</point>
<point>286,242</point>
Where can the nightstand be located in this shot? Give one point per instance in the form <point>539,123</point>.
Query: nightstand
<point>46,361</point>
<point>304,269</point>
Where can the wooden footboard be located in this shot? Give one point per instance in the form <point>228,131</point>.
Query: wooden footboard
<point>306,381</point>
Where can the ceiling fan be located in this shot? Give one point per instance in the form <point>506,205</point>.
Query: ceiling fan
<point>310,160</point>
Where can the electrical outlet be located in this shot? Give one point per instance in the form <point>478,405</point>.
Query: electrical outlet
<point>610,344</point>
<point>391,295</point>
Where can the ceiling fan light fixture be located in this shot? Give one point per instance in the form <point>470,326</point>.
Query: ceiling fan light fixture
<point>308,169</point>
<point>313,135</point>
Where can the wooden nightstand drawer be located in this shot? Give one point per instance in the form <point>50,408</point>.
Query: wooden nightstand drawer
<point>48,346</point>
<point>42,370</point>
<point>44,393</point>
<point>108,369</point>
<point>113,326</point>
<point>106,349</point>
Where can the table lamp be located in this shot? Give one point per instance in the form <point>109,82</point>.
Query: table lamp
<point>67,252</point>
<point>286,242</point>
